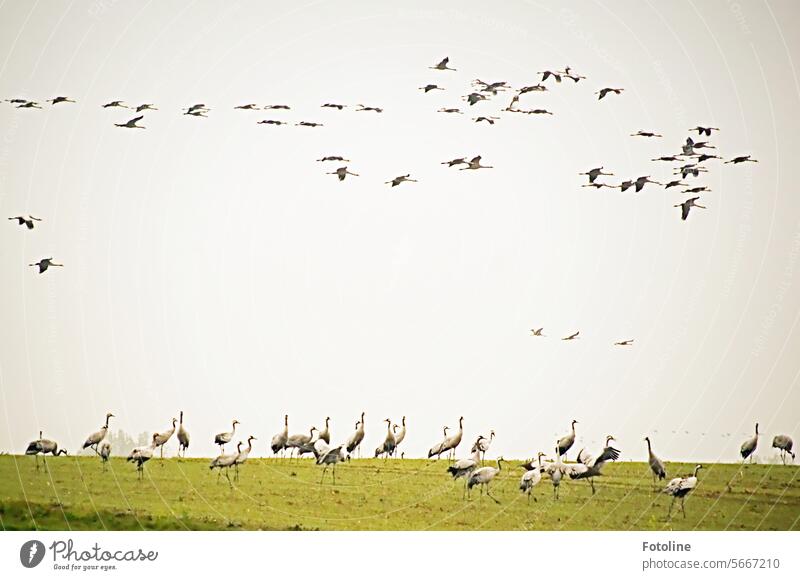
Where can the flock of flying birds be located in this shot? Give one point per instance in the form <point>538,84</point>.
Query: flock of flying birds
<point>317,442</point>
<point>692,156</point>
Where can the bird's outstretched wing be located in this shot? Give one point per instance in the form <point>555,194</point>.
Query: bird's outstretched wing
<point>608,454</point>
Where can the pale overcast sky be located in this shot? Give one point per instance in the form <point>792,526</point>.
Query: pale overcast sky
<point>212,266</point>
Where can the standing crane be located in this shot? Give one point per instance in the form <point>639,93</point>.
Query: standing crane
<point>301,443</point>
<point>555,469</point>
<point>95,438</point>
<point>482,444</point>
<point>183,437</point>
<point>104,450</point>
<point>484,477</point>
<point>225,461</point>
<point>449,443</point>
<point>141,455</point>
<point>162,438</point>
<point>43,446</point>
<point>222,439</point>
<point>589,467</point>
<point>656,465</point>
<point>749,447</point>
<point>785,444</point>
<point>464,468</point>
<point>357,437</point>
<point>242,456</point>
<point>389,444</point>
<point>567,441</point>
<point>327,456</point>
<point>531,477</point>
<point>680,487</point>
<point>325,434</point>
<point>279,440</point>
<point>400,435</point>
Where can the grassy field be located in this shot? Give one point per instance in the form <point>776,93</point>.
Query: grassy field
<point>74,493</point>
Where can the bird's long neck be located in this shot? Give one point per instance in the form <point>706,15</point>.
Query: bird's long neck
<point>233,427</point>
<point>499,465</point>
<point>249,444</point>
<point>649,449</point>
<point>181,417</point>
<point>696,470</point>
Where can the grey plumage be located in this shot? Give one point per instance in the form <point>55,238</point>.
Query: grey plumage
<point>656,465</point>
<point>785,444</point>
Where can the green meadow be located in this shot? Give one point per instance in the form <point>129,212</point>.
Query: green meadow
<point>74,493</point>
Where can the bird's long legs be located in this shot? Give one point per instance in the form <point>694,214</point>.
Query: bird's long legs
<point>591,480</point>
<point>490,495</point>
<point>37,461</point>
<point>683,506</point>
<point>672,503</point>
<point>321,479</point>
<point>228,476</point>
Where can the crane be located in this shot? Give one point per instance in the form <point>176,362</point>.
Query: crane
<point>567,441</point>
<point>222,439</point>
<point>225,461</point>
<point>162,438</point>
<point>785,444</point>
<point>242,456</point>
<point>656,465</point>
<point>43,446</point>
<point>279,440</point>
<point>354,442</point>
<point>680,487</point>
<point>141,455</point>
<point>95,438</point>
<point>484,477</point>
<point>183,437</point>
